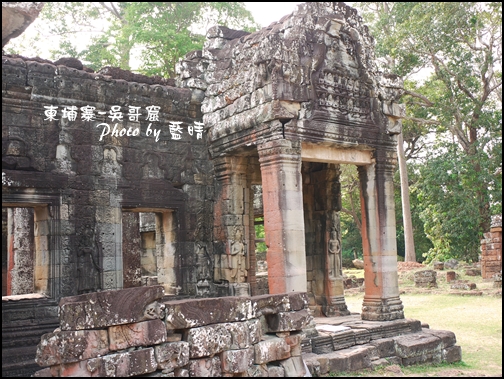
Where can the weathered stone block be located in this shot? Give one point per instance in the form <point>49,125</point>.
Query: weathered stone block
<point>118,365</point>
<point>288,321</point>
<point>170,356</point>
<point>425,278</point>
<point>294,341</point>
<point>294,367</point>
<point>236,361</point>
<point>240,334</point>
<point>351,359</point>
<point>205,367</point>
<point>271,349</point>
<point>271,304</point>
<point>183,314</point>
<point>275,371</point>
<point>107,308</point>
<point>384,346</point>
<point>71,346</point>
<point>418,344</point>
<point>452,354</point>
<point>255,331</point>
<point>208,340</point>
<point>181,373</point>
<point>258,371</point>
<point>142,333</point>
<point>447,337</point>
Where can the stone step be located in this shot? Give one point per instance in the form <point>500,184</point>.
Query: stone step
<point>405,348</point>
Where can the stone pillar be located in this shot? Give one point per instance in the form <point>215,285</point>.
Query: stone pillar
<point>334,289</point>
<point>381,299</point>
<point>166,229</point>
<point>41,222</point>
<point>131,248</point>
<point>280,162</point>
<point>20,240</point>
<point>232,225</point>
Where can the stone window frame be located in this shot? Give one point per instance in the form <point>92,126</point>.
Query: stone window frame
<point>51,203</point>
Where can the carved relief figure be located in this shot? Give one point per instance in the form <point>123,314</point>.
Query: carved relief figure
<point>335,267</point>
<point>237,259</point>
<point>88,267</point>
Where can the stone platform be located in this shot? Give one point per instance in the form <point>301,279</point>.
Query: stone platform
<point>347,343</point>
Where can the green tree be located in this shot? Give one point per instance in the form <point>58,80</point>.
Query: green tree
<point>159,33</point>
<point>459,44</point>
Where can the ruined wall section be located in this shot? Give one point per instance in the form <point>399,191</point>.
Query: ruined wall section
<point>94,180</point>
<point>311,77</point>
<point>132,332</point>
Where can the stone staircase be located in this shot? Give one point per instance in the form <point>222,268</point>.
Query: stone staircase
<point>347,343</point>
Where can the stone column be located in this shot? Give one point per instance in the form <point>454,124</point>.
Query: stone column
<point>20,245</point>
<point>132,250</point>
<point>232,225</point>
<point>334,288</point>
<point>280,162</point>
<point>381,299</point>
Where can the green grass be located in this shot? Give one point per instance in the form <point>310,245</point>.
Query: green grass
<point>475,320</point>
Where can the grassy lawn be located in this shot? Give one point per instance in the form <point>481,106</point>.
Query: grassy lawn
<point>475,320</point>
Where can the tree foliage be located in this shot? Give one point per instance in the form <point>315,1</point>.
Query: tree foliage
<point>453,128</point>
<point>157,34</point>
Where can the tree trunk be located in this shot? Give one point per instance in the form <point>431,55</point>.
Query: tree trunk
<point>409,242</point>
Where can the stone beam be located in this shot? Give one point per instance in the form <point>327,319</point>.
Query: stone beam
<point>280,162</point>
<point>311,152</point>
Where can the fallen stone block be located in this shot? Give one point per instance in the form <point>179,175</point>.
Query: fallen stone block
<point>452,354</point>
<point>184,314</point>
<point>144,333</point>
<point>205,367</point>
<point>288,321</point>
<point>172,355</point>
<point>473,272</point>
<point>108,308</point>
<point>236,361</point>
<point>71,346</point>
<point>465,286</point>
<point>271,349</point>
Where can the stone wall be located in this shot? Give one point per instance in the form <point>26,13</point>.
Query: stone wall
<point>86,190</point>
<point>491,249</point>
<point>132,332</point>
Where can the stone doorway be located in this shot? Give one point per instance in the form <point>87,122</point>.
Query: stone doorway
<point>149,248</point>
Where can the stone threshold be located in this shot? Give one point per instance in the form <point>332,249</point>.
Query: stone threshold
<point>347,343</point>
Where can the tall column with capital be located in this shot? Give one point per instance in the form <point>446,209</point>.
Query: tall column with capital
<point>381,298</point>
<point>280,162</point>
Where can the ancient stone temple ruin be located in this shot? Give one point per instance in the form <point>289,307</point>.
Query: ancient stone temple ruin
<point>113,180</point>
